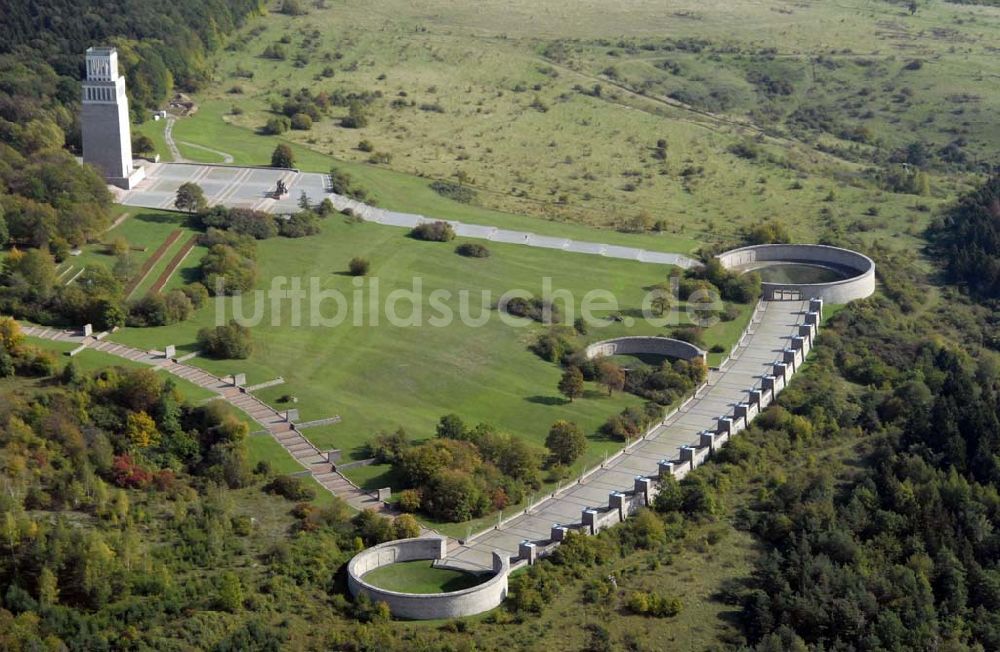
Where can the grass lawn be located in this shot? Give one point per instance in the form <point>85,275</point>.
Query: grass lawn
<point>264,447</point>
<point>145,229</point>
<point>421,577</point>
<point>396,190</point>
<point>383,376</point>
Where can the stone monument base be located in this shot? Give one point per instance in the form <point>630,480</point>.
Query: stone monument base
<point>129,182</point>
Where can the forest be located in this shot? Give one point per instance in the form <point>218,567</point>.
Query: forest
<point>132,518</point>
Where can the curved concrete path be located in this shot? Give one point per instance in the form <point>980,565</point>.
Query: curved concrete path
<point>769,333</point>
<point>300,448</point>
<point>246,187</point>
<point>526,238</point>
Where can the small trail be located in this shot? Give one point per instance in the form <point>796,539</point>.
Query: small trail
<point>168,135</point>
<point>226,158</point>
<point>175,153</point>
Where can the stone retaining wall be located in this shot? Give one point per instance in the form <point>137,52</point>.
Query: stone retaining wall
<point>860,283</point>
<point>593,519</point>
<point>421,606</point>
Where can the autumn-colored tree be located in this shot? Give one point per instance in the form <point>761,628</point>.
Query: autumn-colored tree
<point>611,376</point>
<point>141,430</point>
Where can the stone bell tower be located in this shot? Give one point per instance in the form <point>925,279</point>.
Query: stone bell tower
<point>107,137</point>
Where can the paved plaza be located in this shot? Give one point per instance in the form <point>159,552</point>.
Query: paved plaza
<point>231,186</point>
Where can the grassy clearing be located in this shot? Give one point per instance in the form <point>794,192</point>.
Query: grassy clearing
<point>491,94</point>
<point>384,376</point>
<point>145,229</point>
<point>421,577</point>
<point>400,191</point>
<point>155,129</point>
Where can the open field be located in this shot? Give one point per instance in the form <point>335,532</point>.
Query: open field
<point>400,191</point>
<point>382,376</point>
<point>496,95</point>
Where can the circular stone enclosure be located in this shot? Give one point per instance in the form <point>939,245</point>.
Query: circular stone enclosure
<point>800,272</point>
<point>652,345</point>
<point>425,606</point>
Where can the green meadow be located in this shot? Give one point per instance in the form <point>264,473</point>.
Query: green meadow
<point>379,376</point>
<point>502,97</point>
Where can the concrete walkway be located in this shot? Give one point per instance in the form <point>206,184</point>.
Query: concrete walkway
<point>769,334</point>
<point>300,448</point>
<point>526,238</point>
<point>246,187</point>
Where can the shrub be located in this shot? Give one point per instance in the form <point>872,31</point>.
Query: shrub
<point>150,310</point>
<point>535,308</point>
<point>301,122</point>
<point>275,51</point>
<point>277,125</point>
<point>409,500</point>
<point>231,342</point>
<point>454,191</point>
<point>283,156</point>
<point>225,271</point>
<point>433,231</point>
<point>299,225</point>
<point>358,266</point>
<point>470,250</point>
<point>566,442</point>
<point>386,447</point>
<point>290,487</point>
<point>406,527</point>
<point>654,604</point>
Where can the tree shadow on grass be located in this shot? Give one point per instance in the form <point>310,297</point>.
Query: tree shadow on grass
<point>547,400</point>
<point>464,581</point>
<point>179,219</point>
<point>388,478</point>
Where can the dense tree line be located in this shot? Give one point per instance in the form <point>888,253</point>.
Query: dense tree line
<point>967,240</point>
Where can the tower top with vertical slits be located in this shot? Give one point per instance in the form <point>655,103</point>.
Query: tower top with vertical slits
<point>102,64</point>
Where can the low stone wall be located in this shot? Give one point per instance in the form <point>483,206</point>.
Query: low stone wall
<point>425,606</point>
<point>665,346</point>
<point>622,504</point>
<point>860,268</point>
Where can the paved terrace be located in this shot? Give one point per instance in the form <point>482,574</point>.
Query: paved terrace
<point>768,336</point>
<point>251,187</point>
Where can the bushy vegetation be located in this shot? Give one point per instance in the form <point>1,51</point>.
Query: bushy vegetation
<point>124,497</point>
<point>463,473</point>
<point>455,191</point>
<point>472,250</point>
<point>230,342</point>
<point>433,231</point>
<point>534,308</point>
